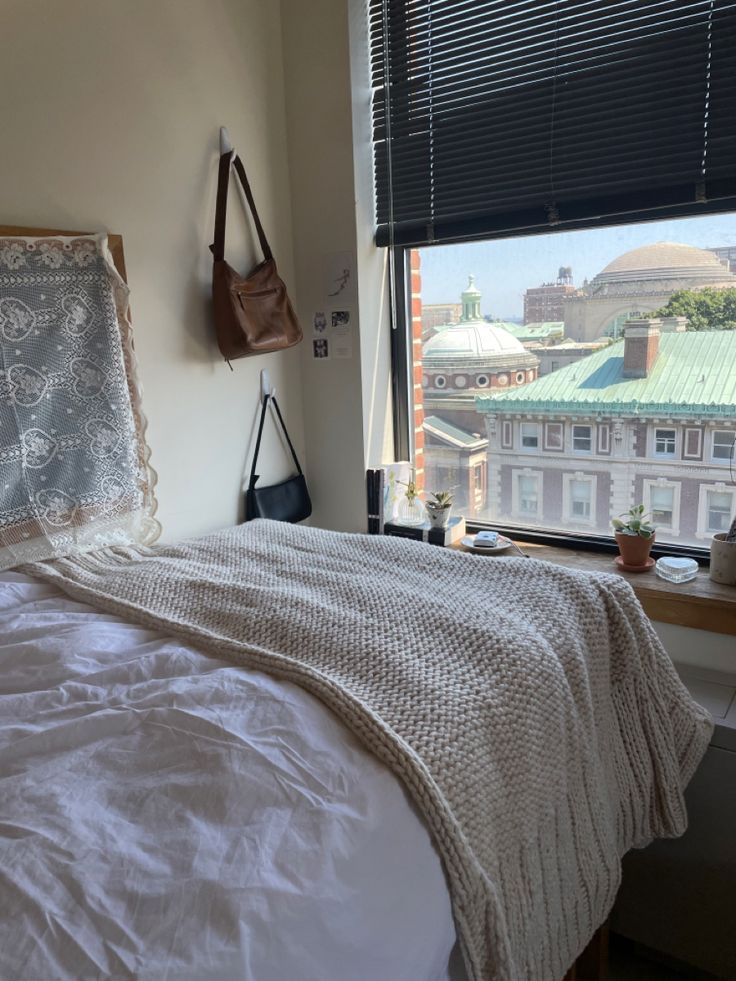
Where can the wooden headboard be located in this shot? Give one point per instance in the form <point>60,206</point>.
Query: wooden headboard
<point>115,242</point>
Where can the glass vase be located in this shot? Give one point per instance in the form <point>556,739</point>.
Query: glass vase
<point>411,511</point>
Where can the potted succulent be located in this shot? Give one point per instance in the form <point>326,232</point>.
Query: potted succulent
<point>634,537</point>
<point>439,507</point>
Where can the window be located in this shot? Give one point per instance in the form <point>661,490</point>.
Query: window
<point>448,75</point>
<point>719,505</point>
<point>664,442</point>
<point>723,445</point>
<point>582,440</point>
<point>527,494</point>
<point>579,492</point>
<point>661,503</point>
<point>529,436</point>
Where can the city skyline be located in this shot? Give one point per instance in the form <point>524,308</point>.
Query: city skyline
<point>504,269</point>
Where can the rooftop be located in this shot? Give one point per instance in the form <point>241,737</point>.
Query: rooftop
<point>452,434</point>
<point>665,260</point>
<point>694,374</point>
<point>535,331</point>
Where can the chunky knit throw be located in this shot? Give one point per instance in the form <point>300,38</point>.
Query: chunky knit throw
<point>529,710</point>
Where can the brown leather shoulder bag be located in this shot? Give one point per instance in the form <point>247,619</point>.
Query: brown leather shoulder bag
<point>253,314</point>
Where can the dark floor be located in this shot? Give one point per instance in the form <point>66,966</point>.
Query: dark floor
<point>630,962</point>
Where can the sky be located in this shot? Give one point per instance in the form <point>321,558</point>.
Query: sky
<point>504,269</point>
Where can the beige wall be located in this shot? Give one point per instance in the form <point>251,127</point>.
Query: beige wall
<point>347,409</point>
<point>110,115</point>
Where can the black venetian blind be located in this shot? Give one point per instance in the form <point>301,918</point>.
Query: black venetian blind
<point>496,116</point>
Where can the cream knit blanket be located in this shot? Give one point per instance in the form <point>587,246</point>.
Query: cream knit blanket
<point>530,711</point>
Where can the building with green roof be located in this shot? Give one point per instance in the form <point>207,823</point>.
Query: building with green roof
<point>651,418</point>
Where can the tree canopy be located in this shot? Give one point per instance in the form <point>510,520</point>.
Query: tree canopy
<point>706,309</point>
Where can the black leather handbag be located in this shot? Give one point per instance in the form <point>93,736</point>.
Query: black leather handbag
<point>287,501</point>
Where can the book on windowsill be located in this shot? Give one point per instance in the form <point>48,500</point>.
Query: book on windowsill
<point>425,533</point>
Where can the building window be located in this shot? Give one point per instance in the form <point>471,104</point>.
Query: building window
<point>440,381</point>
<point>478,473</point>
<point>662,503</point>
<point>528,496</point>
<point>719,505</point>
<point>554,433</point>
<point>723,445</point>
<point>582,440</point>
<point>554,366</point>
<point>507,435</point>
<point>604,439</point>
<point>529,436</point>
<point>482,381</point>
<point>520,377</point>
<point>665,441</point>
<point>578,493</point>
<point>692,444</point>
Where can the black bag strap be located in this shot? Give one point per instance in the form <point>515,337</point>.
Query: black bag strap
<point>223,182</point>
<point>253,475</point>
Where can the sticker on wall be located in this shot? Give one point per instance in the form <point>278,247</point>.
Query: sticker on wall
<point>340,284</point>
<point>319,322</point>
<point>340,318</point>
<point>321,349</point>
<point>341,342</point>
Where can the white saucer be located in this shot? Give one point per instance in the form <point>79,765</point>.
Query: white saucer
<point>503,545</point>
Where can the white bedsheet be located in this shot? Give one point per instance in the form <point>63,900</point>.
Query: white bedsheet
<point>165,815</point>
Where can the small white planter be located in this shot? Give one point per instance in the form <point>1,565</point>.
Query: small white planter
<point>723,560</point>
<point>438,517</point>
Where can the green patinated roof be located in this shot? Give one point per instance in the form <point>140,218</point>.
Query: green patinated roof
<point>694,374</point>
<point>532,332</point>
<point>453,433</point>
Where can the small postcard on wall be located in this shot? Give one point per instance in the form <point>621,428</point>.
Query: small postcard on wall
<point>340,278</point>
<point>321,348</point>
<point>319,322</point>
<point>341,342</point>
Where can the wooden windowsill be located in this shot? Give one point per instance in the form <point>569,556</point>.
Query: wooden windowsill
<point>701,603</point>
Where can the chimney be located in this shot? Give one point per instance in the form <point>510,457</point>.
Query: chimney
<point>641,347</point>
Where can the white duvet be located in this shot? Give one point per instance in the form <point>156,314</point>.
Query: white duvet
<point>166,815</point>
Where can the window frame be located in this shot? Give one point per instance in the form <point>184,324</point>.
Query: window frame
<point>574,449</point>
<point>731,455</point>
<point>567,502</point>
<point>537,436</point>
<point>403,411</point>
<point>662,455</point>
<point>703,529</point>
<point>647,485</point>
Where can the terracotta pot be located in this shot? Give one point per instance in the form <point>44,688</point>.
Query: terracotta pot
<point>634,549</point>
<point>723,560</point>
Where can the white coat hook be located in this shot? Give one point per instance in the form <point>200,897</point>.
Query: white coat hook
<point>226,145</point>
<point>266,387</point>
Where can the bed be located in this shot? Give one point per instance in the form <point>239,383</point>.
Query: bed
<point>163,815</point>
<point>283,752</point>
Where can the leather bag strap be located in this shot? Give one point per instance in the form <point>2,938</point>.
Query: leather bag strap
<point>253,475</point>
<point>223,183</point>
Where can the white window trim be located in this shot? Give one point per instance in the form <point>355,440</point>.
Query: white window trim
<point>530,449</point>
<point>591,431</point>
<point>653,444</point>
<point>720,461</point>
<point>718,488</point>
<point>525,517</point>
<point>569,518</point>
<point>676,486</point>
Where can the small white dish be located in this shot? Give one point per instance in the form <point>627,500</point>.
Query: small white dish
<point>503,545</point>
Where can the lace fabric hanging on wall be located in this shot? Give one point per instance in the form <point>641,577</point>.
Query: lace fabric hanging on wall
<point>74,471</point>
